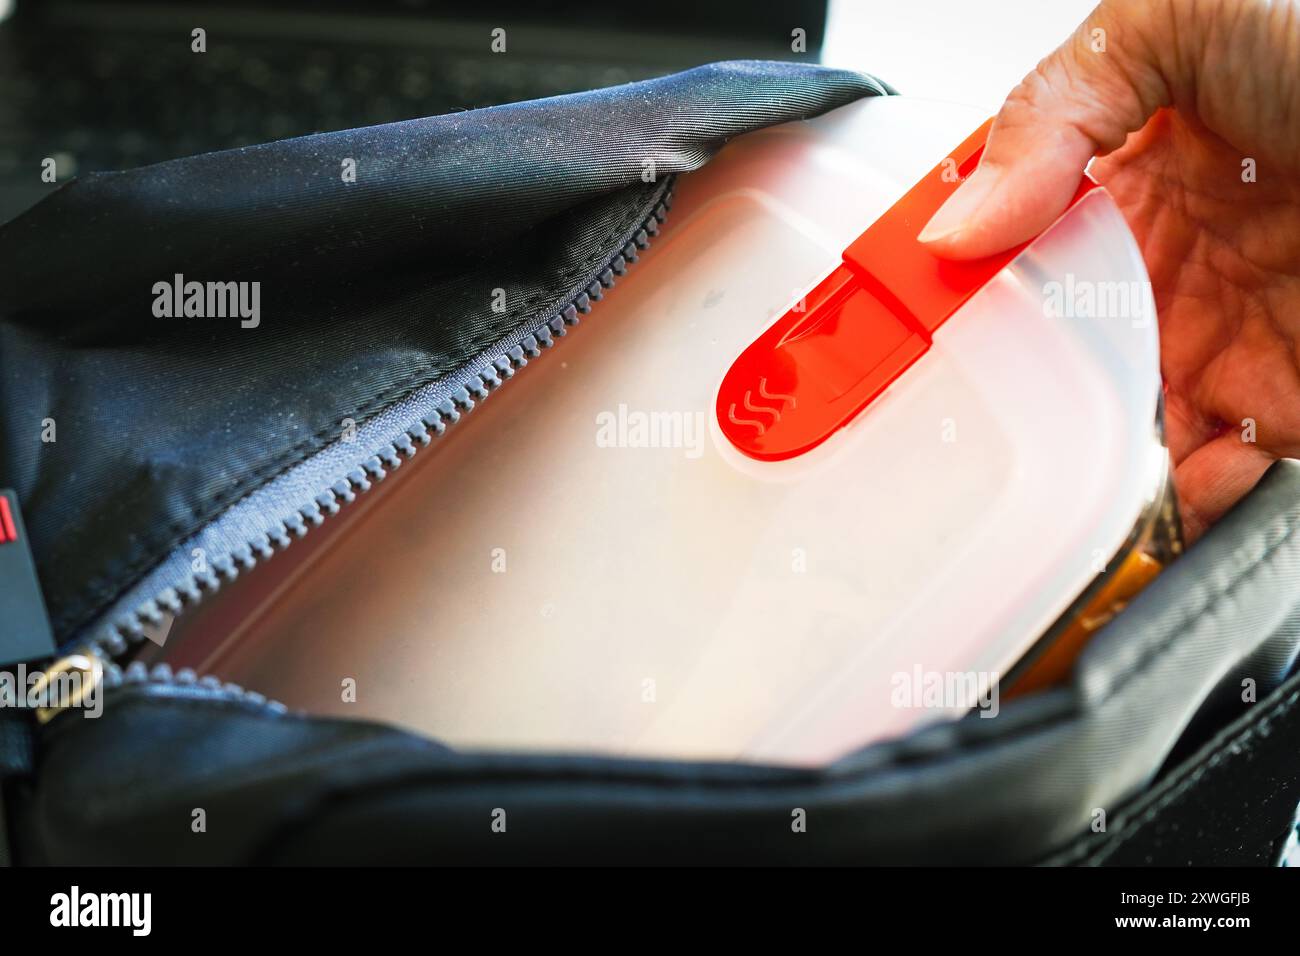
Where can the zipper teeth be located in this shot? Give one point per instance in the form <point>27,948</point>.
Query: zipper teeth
<point>138,674</point>
<point>125,633</point>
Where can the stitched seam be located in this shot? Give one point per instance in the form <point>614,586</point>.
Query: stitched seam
<point>1178,632</point>
<point>1219,758</point>
<point>1278,708</point>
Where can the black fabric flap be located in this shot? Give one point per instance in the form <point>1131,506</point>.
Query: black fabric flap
<point>453,231</point>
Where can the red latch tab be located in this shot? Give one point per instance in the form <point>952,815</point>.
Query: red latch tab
<point>24,626</point>
<point>8,530</point>
<point>859,328</point>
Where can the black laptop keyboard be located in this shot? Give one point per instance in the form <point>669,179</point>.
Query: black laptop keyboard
<point>108,102</point>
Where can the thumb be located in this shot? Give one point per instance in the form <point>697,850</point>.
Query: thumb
<point>1084,99</point>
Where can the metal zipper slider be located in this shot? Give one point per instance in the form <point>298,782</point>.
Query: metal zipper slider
<point>66,684</point>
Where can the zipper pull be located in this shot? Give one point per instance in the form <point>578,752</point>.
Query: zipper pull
<point>76,678</point>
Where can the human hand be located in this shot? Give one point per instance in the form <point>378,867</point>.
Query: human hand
<point>1194,107</point>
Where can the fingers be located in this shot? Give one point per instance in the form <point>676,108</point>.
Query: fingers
<point>1186,429</point>
<point>1214,478</point>
<point>1085,98</point>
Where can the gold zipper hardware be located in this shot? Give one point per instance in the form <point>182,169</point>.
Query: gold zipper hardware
<point>66,684</point>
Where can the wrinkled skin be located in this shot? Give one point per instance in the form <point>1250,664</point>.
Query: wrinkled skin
<point>1182,95</point>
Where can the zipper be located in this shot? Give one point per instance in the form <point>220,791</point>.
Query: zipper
<point>92,674</point>
<point>433,409</point>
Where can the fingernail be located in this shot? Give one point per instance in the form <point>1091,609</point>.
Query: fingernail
<point>961,207</point>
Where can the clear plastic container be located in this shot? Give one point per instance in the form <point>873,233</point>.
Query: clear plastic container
<point>586,563</point>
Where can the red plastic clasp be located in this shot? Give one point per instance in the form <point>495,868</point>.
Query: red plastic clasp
<point>858,329</point>
<point>8,531</point>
